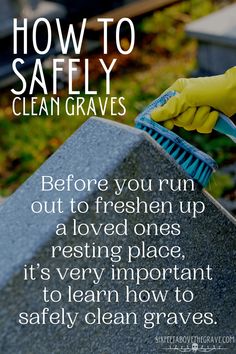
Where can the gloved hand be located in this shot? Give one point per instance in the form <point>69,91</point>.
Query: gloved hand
<point>198,102</point>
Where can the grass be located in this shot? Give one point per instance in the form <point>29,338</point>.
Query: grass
<point>162,54</point>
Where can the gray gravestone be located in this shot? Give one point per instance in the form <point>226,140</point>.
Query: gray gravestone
<point>103,149</point>
<point>216,36</point>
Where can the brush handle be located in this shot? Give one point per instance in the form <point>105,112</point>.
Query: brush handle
<point>225,126</point>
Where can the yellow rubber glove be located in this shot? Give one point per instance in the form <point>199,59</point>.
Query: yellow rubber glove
<point>198,102</point>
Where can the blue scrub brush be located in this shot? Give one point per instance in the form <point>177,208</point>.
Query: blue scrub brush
<point>194,162</point>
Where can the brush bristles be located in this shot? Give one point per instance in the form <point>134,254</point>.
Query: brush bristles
<point>196,167</point>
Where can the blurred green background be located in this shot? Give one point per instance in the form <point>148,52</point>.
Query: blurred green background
<point>162,54</point>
